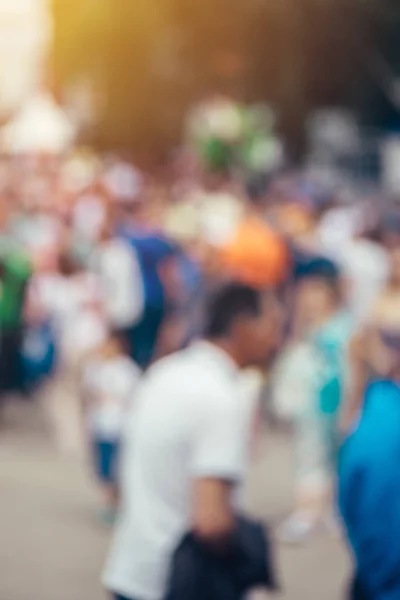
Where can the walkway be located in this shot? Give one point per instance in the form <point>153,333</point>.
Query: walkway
<point>52,548</point>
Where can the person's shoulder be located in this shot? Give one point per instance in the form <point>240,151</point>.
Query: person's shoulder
<point>178,364</point>
<point>186,373</point>
<point>369,251</point>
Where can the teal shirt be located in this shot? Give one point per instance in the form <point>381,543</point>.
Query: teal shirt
<point>331,343</point>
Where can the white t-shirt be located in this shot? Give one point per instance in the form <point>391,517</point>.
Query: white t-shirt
<point>89,216</point>
<point>122,284</point>
<point>110,386</point>
<point>190,421</point>
<point>70,304</point>
<point>366,267</point>
<point>338,227</point>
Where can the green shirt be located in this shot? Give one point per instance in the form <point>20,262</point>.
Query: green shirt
<point>16,271</point>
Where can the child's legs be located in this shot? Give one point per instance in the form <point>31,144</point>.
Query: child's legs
<point>106,459</point>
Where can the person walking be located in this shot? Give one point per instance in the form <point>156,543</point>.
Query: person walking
<point>108,383</point>
<point>187,442</point>
<point>369,486</point>
<point>308,387</point>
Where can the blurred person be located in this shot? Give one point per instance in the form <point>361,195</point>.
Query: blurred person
<point>339,223</point>
<point>292,220</point>
<point>369,485</point>
<point>108,383</point>
<point>208,206</point>
<point>89,214</point>
<point>36,225</point>
<point>162,327</point>
<point>187,443</point>
<point>368,353</point>
<point>178,278</point>
<point>365,264</point>
<point>39,354</point>
<point>256,254</point>
<point>157,256</point>
<point>71,298</point>
<point>15,272</point>
<point>308,387</point>
<point>122,180</point>
<point>182,224</point>
<point>314,219</point>
<point>300,220</point>
<point>221,209</point>
<point>116,263</point>
<point>369,356</point>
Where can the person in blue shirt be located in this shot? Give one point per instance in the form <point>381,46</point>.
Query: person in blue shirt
<point>369,483</point>
<point>169,278</point>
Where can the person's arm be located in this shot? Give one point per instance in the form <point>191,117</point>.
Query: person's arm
<point>171,336</point>
<point>218,465</point>
<point>367,354</point>
<point>356,383</point>
<point>213,518</point>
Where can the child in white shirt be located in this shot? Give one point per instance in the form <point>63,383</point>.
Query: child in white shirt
<point>109,381</point>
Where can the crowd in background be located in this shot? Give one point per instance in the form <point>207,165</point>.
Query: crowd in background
<point>105,268</point>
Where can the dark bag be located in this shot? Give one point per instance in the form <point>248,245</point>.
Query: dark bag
<point>199,573</point>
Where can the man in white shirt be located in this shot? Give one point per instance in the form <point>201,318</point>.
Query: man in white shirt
<point>187,443</point>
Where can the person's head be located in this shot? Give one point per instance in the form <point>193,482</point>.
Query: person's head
<point>294,220</point>
<point>246,322</point>
<point>68,266</point>
<point>256,188</point>
<point>319,292</point>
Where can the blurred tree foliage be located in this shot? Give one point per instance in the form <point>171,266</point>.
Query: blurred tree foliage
<point>149,60</point>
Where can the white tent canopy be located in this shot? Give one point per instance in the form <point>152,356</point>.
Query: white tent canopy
<point>40,126</point>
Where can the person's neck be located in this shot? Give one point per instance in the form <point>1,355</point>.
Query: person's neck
<point>229,349</point>
<point>325,317</point>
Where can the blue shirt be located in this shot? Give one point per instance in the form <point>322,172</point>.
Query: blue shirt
<point>369,491</point>
<point>151,249</point>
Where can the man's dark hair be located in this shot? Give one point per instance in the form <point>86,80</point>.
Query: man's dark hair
<point>232,301</point>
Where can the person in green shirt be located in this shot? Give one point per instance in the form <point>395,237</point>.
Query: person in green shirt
<point>15,271</point>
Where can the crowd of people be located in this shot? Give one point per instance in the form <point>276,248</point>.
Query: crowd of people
<point>107,269</point>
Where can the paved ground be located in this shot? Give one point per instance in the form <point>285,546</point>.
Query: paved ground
<point>52,549</point>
